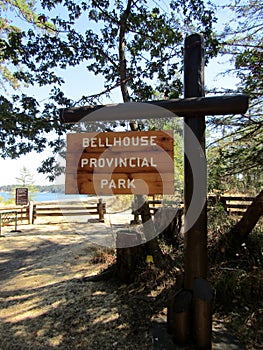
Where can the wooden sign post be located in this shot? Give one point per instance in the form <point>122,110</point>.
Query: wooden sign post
<point>195,234</point>
<point>194,107</point>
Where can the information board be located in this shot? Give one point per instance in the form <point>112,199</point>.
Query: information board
<point>22,196</point>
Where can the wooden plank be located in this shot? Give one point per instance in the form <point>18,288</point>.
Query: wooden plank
<point>237,199</point>
<point>40,209</point>
<point>78,213</point>
<point>75,209</point>
<point>191,106</point>
<point>195,235</point>
<point>152,183</point>
<point>122,162</point>
<point>237,206</point>
<point>236,212</point>
<point>231,198</point>
<point>120,141</point>
<point>155,202</point>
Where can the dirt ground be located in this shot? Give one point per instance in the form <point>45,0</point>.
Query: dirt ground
<point>46,301</point>
<point>45,304</point>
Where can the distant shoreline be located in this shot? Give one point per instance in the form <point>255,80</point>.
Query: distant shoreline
<point>41,196</point>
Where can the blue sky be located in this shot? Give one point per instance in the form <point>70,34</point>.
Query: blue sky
<point>79,82</point>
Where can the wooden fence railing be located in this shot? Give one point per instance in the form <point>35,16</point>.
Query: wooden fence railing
<point>8,217</point>
<point>233,205</point>
<point>71,209</point>
<point>28,214</point>
<point>22,211</point>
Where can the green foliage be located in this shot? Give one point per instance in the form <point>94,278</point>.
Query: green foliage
<point>178,164</point>
<point>25,127</point>
<point>25,177</point>
<point>236,279</point>
<point>235,164</point>
<point>249,69</point>
<point>51,167</point>
<point>238,290</point>
<point>12,36</point>
<point>175,124</point>
<point>135,46</point>
<point>235,158</point>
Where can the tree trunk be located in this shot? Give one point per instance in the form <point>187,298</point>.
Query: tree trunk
<point>152,246</point>
<point>168,221</point>
<point>248,221</point>
<point>122,58</point>
<point>126,264</point>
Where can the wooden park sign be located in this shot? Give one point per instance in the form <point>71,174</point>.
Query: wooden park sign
<point>120,163</point>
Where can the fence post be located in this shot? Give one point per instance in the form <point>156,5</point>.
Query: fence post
<point>31,209</point>
<point>135,212</point>
<point>101,210</point>
<point>16,219</point>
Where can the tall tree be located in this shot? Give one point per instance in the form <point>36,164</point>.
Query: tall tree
<point>135,45</point>
<point>237,156</point>
<point>25,178</point>
<point>24,124</point>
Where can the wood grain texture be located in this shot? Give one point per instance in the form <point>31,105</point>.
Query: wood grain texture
<point>137,163</point>
<point>144,183</point>
<point>192,106</point>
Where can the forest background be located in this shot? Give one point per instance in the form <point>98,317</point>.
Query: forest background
<point>46,44</point>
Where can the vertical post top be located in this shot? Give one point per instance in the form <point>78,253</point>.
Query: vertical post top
<point>194,66</point>
<point>194,39</point>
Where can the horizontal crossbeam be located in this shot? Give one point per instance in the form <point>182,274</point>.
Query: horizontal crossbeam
<point>194,106</point>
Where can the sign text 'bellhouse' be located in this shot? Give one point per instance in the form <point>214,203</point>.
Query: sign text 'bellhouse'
<point>120,163</point>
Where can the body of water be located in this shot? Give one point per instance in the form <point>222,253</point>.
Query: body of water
<point>44,196</point>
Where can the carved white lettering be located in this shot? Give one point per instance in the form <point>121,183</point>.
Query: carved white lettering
<point>84,162</point>
<point>119,141</point>
<point>93,162</point>
<point>103,183</point>
<point>131,183</point>
<point>117,184</point>
<point>152,140</point>
<point>132,162</point>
